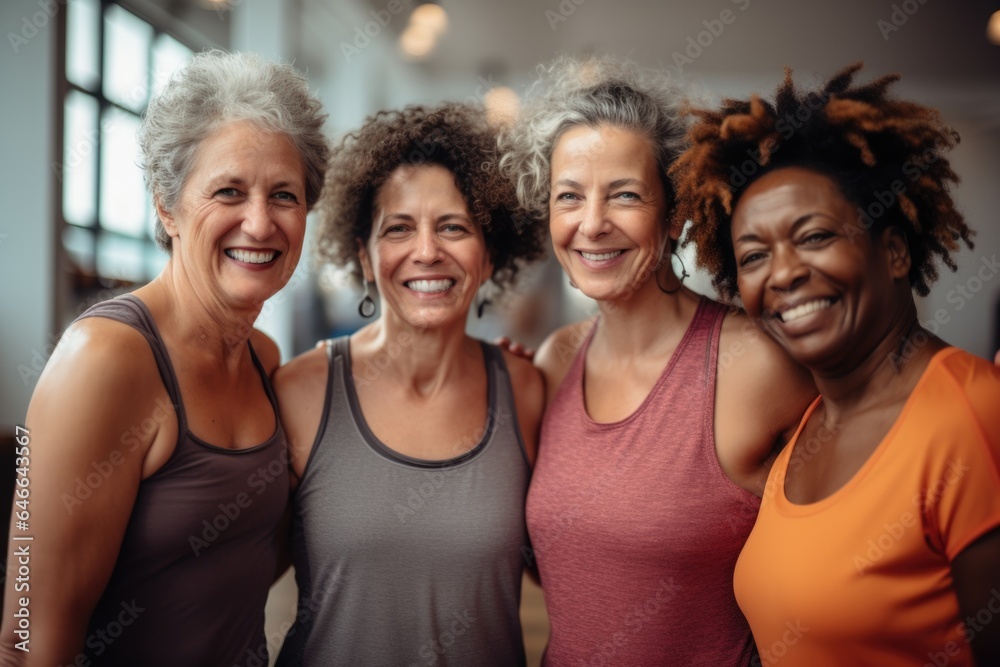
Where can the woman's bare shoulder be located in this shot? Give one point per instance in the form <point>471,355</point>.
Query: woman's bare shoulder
<point>556,353</point>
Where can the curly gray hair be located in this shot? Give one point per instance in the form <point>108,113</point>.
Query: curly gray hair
<point>593,92</point>
<point>217,88</point>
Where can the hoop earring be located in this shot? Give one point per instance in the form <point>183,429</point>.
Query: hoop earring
<point>684,274</point>
<point>367,306</point>
<point>481,307</point>
<point>485,301</point>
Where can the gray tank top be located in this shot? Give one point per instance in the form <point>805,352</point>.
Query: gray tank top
<point>200,550</point>
<point>402,561</point>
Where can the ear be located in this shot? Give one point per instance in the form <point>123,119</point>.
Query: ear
<point>675,229</point>
<point>166,217</point>
<point>897,251</point>
<point>365,261</point>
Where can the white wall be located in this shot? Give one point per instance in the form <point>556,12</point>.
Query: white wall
<point>27,245</point>
<point>965,302</point>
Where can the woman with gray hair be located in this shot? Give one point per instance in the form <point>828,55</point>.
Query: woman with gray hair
<point>664,411</point>
<point>158,464</point>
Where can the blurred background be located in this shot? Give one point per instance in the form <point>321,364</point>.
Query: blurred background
<point>76,225</point>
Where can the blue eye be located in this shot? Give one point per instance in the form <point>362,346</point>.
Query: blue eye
<point>287,196</point>
<point>228,192</point>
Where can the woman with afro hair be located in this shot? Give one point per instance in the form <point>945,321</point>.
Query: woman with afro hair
<point>877,541</point>
<point>411,442</point>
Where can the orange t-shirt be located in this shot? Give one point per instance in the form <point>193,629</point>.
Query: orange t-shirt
<point>863,576</point>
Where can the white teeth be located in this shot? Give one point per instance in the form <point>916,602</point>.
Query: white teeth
<point>251,256</point>
<point>601,256</point>
<point>429,286</point>
<point>804,309</point>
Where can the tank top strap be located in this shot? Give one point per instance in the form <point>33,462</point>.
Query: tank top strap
<point>701,343</point>
<point>502,405</point>
<point>130,310</point>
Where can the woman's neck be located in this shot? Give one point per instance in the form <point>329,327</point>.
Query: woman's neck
<point>885,375</point>
<point>197,320</point>
<point>421,359</point>
<point>637,325</point>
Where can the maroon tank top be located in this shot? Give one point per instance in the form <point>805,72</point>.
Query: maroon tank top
<point>634,525</point>
<point>200,550</point>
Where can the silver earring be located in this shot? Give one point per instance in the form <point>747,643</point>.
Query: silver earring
<point>367,306</point>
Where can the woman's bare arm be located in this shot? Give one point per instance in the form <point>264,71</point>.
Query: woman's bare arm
<point>88,422</point>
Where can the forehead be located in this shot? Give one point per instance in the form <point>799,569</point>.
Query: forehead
<point>602,146</point>
<point>789,191</point>
<point>239,144</point>
<point>411,184</point>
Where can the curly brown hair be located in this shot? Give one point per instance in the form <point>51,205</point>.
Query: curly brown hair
<point>884,154</point>
<point>453,135</point>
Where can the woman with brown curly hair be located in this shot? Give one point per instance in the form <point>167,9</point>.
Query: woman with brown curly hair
<point>663,412</point>
<point>411,441</point>
<point>877,541</point>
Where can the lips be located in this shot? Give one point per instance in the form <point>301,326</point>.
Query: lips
<point>430,286</point>
<point>252,256</point>
<point>599,256</point>
<point>803,309</point>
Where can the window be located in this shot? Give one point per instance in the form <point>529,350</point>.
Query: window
<point>114,61</point>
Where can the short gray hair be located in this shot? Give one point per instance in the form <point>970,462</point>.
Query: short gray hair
<point>598,91</point>
<point>217,88</point>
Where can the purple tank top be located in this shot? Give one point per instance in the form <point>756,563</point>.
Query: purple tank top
<point>200,550</point>
<point>635,527</point>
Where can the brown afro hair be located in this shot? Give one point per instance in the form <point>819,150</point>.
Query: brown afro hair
<point>870,144</point>
<point>453,135</point>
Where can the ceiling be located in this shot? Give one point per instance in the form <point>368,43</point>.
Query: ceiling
<point>937,45</point>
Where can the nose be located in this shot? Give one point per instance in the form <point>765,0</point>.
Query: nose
<point>258,223</point>
<point>594,223</point>
<point>428,249</point>
<point>788,272</point>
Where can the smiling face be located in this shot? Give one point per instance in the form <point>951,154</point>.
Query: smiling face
<point>425,254</point>
<point>824,289</point>
<point>239,223</point>
<point>607,211</point>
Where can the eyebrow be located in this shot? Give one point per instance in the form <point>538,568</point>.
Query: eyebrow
<point>409,218</point>
<point>621,182</point>
<point>801,220</point>
<point>617,183</point>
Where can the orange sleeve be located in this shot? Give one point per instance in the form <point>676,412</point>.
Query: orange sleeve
<point>964,505</point>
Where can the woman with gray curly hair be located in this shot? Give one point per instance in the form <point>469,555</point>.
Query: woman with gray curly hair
<point>663,412</point>
<point>158,464</point>
<point>411,441</point>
